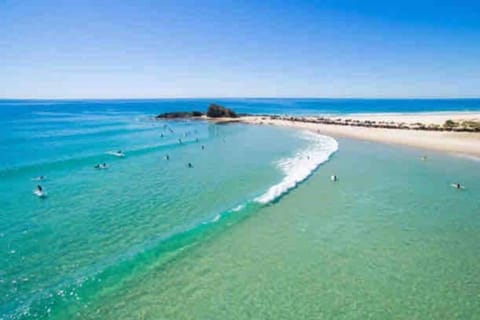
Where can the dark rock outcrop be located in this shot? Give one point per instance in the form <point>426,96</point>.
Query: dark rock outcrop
<point>175,115</point>
<point>217,111</point>
<point>214,111</point>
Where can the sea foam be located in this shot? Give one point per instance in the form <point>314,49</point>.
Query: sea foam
<point>301,166</point>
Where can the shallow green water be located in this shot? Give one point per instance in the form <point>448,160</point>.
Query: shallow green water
<point>98,228</point>
<point>390,240</point>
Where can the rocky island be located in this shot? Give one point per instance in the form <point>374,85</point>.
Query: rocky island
<point>218,111</point>
<point>179,115</point>
<point>214,111</point>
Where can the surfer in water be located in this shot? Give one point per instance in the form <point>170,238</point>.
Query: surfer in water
<point>39,188</point>
<point>203,147</point>
<point>167,157</point>
<point>179,140</point>
<point>457,186</point>
<point>334,178</point>
<point>190,165</point>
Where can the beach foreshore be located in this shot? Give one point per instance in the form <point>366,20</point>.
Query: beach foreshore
<point>463,143</point>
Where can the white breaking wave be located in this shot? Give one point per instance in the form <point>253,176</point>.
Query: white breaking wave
<point>300,167</point>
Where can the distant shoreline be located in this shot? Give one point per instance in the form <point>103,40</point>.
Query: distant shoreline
<point>453,132</point>
<point>458,142</point>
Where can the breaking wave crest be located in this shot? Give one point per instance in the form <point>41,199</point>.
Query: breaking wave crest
<point>301,166</point>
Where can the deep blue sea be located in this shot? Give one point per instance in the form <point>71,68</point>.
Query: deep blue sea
<point>253,105</point>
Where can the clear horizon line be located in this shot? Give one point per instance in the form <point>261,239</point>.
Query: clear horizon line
<point>250,97</point>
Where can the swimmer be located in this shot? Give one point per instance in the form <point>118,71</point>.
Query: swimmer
<point>457,186</point>
<point>40,192</point>
<point>101,166</point>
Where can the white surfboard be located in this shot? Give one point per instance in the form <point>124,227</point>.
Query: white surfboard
<point>116,154</point>
<point>40,194</point>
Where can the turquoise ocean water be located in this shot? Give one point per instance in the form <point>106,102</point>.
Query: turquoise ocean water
<point>234,237</point>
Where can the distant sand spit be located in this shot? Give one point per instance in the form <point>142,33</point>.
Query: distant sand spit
<point>466,143</point>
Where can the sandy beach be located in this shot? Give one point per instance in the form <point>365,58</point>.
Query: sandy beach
<point>426,118</point>
<point>462,143</point>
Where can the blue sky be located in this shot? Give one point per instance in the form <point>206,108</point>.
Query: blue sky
<point>147,49</point>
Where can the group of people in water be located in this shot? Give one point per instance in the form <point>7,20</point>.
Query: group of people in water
<point>40,191</point>
<point>189,165</point>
